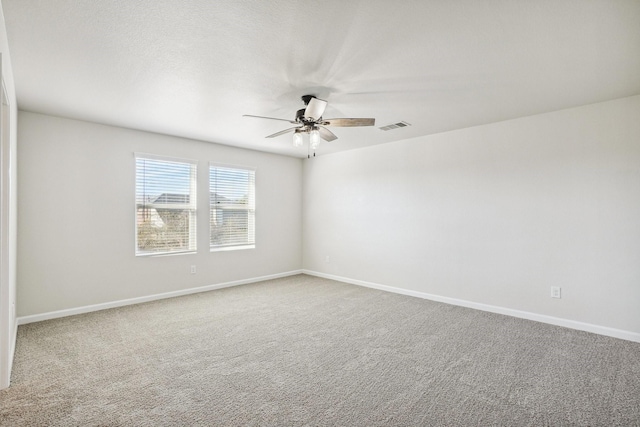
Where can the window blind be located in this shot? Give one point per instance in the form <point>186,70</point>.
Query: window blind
<point>165,205</point>
<point>232,207</point>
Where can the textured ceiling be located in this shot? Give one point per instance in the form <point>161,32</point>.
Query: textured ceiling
<point>193,68</point>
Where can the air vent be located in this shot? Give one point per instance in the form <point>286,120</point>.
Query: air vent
<point>395,126</point>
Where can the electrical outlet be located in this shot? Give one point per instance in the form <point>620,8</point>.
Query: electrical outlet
<point>555,292</point>
<point>193,269</point>
<point>327,259</point>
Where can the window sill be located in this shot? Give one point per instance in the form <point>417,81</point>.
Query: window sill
<point>158,254</point>
<point>231,248</point>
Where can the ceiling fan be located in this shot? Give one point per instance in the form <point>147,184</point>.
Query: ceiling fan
<point>309,120</point>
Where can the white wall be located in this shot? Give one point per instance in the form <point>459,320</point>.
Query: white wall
<point>494,214</point>
<point>8,226</point>
<point>76,206</point>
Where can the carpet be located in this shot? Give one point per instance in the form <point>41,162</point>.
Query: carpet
<point>306,351</point>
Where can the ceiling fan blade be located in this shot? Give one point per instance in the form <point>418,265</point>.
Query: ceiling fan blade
<point>349,122</point>
<point>326,134</point>
<point>282,132</point>
<point>268,118</point>
<point>315,108</point>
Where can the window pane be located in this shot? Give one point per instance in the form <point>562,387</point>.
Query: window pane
<point>165,206</point>
<point>232,207</point>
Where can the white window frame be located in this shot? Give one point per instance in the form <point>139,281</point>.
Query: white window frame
<point>191,205</point>
<point>249,207</point>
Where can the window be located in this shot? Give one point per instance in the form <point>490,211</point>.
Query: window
<point>165,205</point>
<point>232,207</point>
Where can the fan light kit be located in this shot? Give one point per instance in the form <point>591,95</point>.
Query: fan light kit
<point>309,121</point>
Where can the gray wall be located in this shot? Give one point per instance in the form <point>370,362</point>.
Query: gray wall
<point>494,214</point>
<point>77,216</point>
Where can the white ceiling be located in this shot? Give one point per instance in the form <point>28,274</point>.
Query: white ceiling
<point>193,68</point>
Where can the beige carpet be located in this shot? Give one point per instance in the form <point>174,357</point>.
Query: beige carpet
<point>308,351</point>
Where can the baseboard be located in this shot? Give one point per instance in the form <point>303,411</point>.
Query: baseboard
<point>572,324</point>
<point>23,320</point>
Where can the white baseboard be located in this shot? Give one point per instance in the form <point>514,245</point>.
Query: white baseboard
<point>572,324</point>
<point>23,320</point>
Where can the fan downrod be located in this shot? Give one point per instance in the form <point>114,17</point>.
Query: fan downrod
<point>307,98</point>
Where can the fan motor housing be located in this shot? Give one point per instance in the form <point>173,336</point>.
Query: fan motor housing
<point>306,121</point>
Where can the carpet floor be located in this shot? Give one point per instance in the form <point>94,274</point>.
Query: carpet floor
<point>303,350</point>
